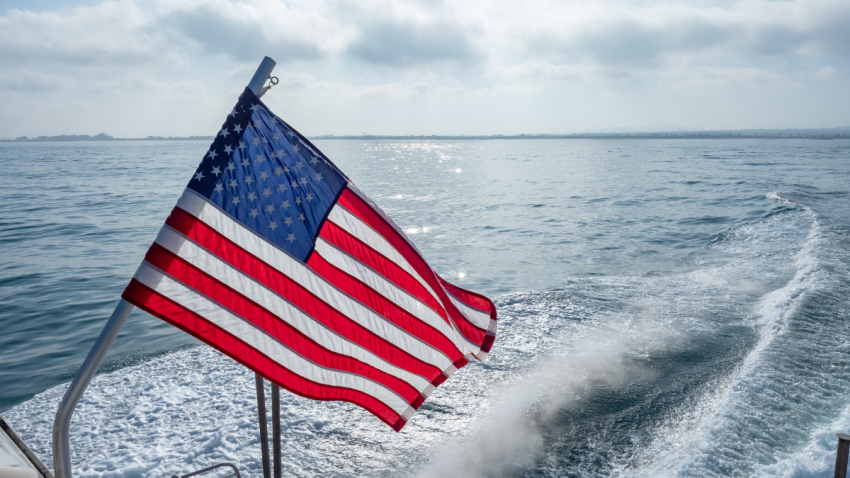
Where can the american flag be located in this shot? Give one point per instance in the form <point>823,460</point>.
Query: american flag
<point>275,258</point>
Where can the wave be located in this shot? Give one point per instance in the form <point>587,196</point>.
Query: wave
<point>704,373</point>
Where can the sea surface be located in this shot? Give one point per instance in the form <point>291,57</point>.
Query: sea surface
<point>673,308</point>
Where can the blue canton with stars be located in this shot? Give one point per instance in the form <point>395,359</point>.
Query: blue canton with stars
<point>269,177</point>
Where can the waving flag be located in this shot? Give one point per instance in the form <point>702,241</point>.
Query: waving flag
<point>275,258</point>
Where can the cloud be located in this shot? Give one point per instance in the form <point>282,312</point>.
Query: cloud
<point>111,33</point>
<point>575,40</point>
<point>294,83</point>
<point>701,77</point>
<point>493,60</point>
<point>291,31</point>
<point>748,29</point>
<point>29,81</point>
<point>826,72</point>
<point>407,42</point>
<point>612,39</point>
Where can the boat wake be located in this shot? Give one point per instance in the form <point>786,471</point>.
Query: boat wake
<point>735,367</point>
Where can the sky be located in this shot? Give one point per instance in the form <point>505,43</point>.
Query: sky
<point>133,68</point>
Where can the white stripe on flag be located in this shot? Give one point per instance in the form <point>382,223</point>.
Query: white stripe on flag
<point>277,305</point>
<point>257,338</point>
<point>472,314</point>
<point>199,207</point>
<point>393,293</point>
<point>364,232</point>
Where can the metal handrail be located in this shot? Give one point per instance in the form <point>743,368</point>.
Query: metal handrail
<point>62,422</point>
<point>211,468</point>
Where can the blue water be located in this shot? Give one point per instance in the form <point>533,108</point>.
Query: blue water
<point>667,308</point>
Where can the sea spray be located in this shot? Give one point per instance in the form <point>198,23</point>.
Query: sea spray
<point>509,438</point>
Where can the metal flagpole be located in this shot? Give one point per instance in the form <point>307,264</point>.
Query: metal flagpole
<point>264,430</point>
<point>276,430</point>
<point>62,422</point>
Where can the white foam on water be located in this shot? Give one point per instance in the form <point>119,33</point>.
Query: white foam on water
<point>193,408</point>
<point>196,407</point>
<point>816,458</point>
<point>775,196</point>
<point>508,438</point>
<point>727,431</point>
<point>604,353</point>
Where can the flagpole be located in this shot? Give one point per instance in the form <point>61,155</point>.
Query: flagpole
<point>256,86</point>
<point>261,75</point>
<point>62,422</point>
<point>276,430</point>
<point>264,430</point>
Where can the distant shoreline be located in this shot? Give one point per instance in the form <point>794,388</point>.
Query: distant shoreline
<point>826,133</point>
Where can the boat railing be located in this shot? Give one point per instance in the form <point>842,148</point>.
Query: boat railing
<point>212,468</point>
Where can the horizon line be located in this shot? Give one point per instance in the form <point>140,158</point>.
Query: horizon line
<point>834,132</point>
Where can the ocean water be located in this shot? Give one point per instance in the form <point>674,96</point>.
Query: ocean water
<point>666,307</point>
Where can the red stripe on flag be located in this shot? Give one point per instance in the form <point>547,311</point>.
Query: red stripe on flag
<point>470,298</point>
<point>152,302</point>
<point>377,261</point>
<point>239,258</point>
<point>359,208</point>
<point>383,306</point>
<point>240,305</point>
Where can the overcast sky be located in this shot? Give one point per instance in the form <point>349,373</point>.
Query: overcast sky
<point>176,67</point>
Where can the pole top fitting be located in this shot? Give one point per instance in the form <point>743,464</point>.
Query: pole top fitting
<point>261,75</point>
